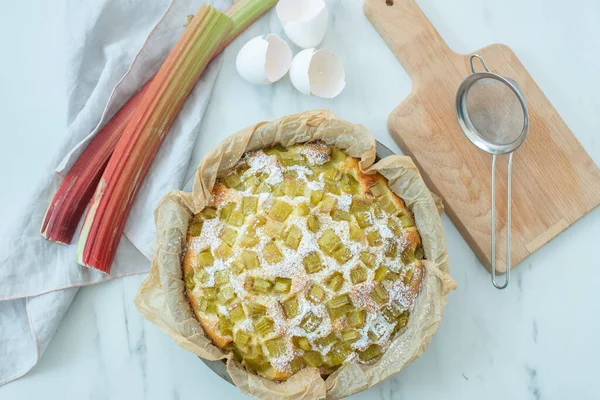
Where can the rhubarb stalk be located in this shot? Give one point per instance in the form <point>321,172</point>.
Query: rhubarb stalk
<point>79,184</point>
<point>147,128</point>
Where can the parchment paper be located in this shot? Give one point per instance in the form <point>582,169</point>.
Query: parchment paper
<point>161,297</point>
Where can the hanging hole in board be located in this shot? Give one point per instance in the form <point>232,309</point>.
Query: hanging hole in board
<point>389,2</point>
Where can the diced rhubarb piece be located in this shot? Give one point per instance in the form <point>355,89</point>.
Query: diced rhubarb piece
<point>337,355</point>
<point>262,285</point>
<point>329,241</point>
<point>339,301</point>
<point>264,326</point>
<point>368,259</point>
<point>256,309</point>
<point>381,273</point>
<point>408,277</point>
<point>249,259</point>
<point>408,255</point>
<point>228,235</point>
<point>326,340</point>
<point>379,294</point>
<point>293,237</point>
<point>236,218</point>
<point>333,188</point>
<point>274,229</point>
<point>272,254</point>
<point>224,251</point>
<point>250,239</point>
<point>232,180</point>
<point>349,184</point>
<point>207,306</point>
<point>190,283</point>
<point>209,213</point>
<point>242,338</point>
<point>332,174</point>
<point>327,204</point>
<point>282,285</point>
<point>342,255</point>
<point>406,221</point>
<point>302,209</point>
<point>291,307</point>
<point>358,274</point>
<point>391,248</point>
<point>335,281</point>
<point>379,189</point>
<point>237,313</point>
<point>356,233</point>
<point>374,238</point>
<point>195,226</point>
<point>313,223</point>
<point>373,351</point>
<point>226,295</point>
<point>316,294</point>
<point>280,210</point>
<point>339,215</point>
<point>313,358</point>
<point>364,219</point>
<point>360,204</point>
<point>226,211</point>
<point>205,258</point>
<point>311,322</point>
<point>249,205</point>
<point>316,196</point>
<point>312,262</point>
<point>210,293</point>
<point>221,277</point>
<point>350,336</point>
<point>389,205</point>
<point>357,318</point>
<point>301,343</point>
<point>276,347</point>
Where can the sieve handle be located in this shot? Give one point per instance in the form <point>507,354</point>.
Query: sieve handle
<point>505,284</point>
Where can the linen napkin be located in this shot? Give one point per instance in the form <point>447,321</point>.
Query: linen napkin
<point>113,48</point>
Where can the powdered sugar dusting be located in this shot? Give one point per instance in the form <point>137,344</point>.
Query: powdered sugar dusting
<point>260,162</point>
<point>269,169</point>
<point>344,201</point>
<point>316,153</point>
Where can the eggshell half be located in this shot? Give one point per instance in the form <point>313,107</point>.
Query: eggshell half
<point>318,73</point>
<point>264,59</point>
<point>304,21</point>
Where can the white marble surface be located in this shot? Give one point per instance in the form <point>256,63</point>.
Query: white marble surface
<point>539,339</point>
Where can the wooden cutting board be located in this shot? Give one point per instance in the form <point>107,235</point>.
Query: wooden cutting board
<point>555,182</point>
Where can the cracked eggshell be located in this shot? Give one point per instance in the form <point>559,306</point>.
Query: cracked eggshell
<point>318,72</point>
<point>304,21</point>
<point>264,59</point>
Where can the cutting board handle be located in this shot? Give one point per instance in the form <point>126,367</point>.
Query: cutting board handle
<point>410,35</point>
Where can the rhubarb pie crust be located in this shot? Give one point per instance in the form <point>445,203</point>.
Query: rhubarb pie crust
<point>300,259</point>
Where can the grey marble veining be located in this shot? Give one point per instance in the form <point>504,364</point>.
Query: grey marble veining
<point>539,339</point>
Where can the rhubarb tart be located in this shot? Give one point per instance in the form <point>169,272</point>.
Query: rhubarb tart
<point>301,260</point>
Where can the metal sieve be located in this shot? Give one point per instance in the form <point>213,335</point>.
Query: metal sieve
<point>493,115</point>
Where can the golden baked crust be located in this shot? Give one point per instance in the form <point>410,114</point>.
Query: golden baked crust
<point>301,259</point>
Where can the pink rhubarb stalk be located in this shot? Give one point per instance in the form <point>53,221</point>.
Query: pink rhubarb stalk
<point>79,184</point>
<point>146,130</point>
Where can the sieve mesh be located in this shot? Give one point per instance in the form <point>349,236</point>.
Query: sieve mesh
<point>494,111</point>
